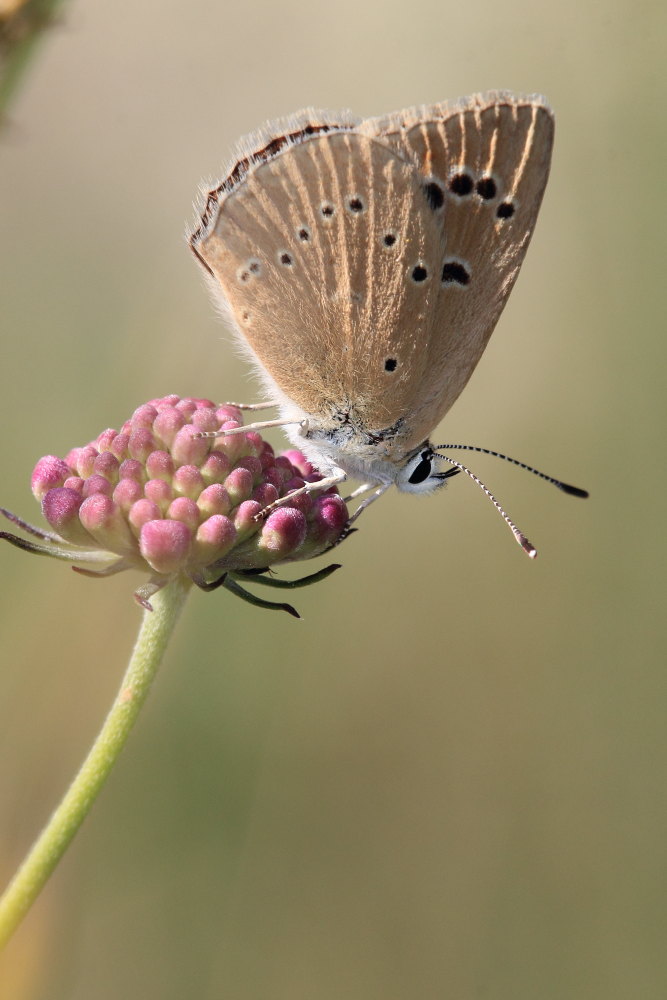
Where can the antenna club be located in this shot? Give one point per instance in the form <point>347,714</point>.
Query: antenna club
<point>526,545</point>
<point>574,491</point>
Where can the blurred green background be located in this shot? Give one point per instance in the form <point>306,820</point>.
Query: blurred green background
<point>448,780</point>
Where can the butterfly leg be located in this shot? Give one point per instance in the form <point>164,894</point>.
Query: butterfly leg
<point>369,500</point>
<point>359,490</point>
<point>268,405</point>
<point>338,476</point>
<point>259,425</point>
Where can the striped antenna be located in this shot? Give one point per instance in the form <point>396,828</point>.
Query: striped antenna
<point>519,535</point>
<point>573,491</point>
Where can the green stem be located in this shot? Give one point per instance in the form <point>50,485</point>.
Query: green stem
<point>156,628</point>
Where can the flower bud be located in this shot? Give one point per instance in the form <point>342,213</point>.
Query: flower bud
<point>161,495</point>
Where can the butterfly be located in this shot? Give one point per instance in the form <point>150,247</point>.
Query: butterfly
<point>363,265</point>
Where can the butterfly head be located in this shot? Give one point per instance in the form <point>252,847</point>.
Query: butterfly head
<point>420,472</point>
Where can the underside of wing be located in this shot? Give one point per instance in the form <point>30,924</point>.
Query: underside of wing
<point>366,264</point>
<point>485,161</point>
<point>329,266</point>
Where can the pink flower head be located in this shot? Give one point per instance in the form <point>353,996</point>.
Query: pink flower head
<point>160,497</point>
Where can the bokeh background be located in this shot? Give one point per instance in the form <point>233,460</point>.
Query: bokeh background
<point>448,780</point>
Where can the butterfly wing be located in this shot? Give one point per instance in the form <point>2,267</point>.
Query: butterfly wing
<point>365,265</point>
<point>313,253</point>
<point>485,163</point>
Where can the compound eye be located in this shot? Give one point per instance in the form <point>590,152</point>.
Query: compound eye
<point>422,470</point>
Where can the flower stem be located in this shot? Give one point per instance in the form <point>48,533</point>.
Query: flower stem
<point>156,628</point>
